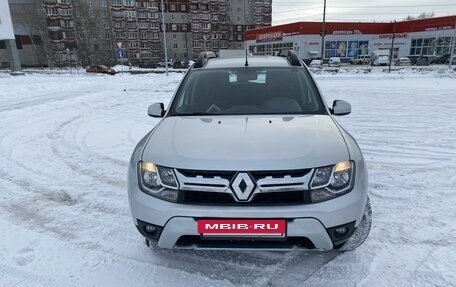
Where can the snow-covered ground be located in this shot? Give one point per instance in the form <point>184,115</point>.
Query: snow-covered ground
<point>65,141</point>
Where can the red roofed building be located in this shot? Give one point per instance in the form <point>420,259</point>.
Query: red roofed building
<point>347,40</point>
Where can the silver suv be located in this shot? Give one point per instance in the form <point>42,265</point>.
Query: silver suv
<point>361,59</point>
<point>249,156</point>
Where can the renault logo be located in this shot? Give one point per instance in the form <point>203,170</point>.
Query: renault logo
<point>243,186</point>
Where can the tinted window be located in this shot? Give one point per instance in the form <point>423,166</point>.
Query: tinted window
<point>247,91</point>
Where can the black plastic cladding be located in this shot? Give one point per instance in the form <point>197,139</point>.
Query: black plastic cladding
<point>203,57</point>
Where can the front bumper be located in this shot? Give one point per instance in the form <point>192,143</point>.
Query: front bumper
<point>309,221</point>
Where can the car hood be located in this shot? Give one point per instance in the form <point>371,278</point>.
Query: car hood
<point>246,142</point>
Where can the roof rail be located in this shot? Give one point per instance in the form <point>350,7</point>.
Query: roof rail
<point>203,57</point>
<point>291,57</point>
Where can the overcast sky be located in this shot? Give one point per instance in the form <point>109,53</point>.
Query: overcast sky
<point>288,11</point>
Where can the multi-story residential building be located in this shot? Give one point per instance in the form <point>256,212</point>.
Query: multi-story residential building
<point>192,26</point>
<point>57,19</point>
<point>85,32</point>
<point>93,29</point>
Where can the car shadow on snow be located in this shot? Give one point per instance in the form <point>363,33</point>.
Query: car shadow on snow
<point>257,268</point>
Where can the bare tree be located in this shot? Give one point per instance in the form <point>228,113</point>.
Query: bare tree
<point>92,25</point>
<point>423,15</point>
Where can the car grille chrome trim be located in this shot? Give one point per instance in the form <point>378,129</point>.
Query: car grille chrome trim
<point>266,182</point>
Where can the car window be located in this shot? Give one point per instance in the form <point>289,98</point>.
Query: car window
<point>288,90</point>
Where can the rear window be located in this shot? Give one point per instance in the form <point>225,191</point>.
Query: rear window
<point>287,90</point>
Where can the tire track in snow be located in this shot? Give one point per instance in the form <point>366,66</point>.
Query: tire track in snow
<point>16,277</point>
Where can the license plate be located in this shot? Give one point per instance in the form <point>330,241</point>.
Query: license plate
<point>242,227</point>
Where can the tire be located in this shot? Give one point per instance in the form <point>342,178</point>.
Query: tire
<point>361,232</point>
<point>150,244</point>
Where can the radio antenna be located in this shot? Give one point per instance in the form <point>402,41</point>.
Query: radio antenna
<point>245,29</point>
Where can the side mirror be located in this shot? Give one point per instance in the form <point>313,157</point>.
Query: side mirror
<point>340,108</point>
<point>156,110</point>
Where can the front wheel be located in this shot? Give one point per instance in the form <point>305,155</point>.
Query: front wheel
<point>361,232</point>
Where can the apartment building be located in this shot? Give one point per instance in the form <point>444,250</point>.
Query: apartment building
<point>85,32</point>
<point>191,26</point>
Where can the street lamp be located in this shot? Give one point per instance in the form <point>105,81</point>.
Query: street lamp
<point>204,42</point>
<point>323,32</point>
<point>453,43</point>
<point>69,59</point>
<point>392,47</point>
<point>164,36</point>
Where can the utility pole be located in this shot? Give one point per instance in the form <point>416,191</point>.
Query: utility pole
<point>164,37</point>
<point>453,42</point>
<point>323,32</point>
<point>392,47</point>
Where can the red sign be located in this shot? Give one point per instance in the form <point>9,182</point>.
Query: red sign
<point>269,37</point>
<point>242,227</point>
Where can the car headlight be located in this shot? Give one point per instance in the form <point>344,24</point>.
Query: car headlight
<point>332,181</point>
<point>158,181</point>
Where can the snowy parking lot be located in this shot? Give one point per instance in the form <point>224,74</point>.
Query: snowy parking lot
<point>65,142</point>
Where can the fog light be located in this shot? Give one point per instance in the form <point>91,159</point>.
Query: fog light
<point>341,231</point>
<point>149,229</point>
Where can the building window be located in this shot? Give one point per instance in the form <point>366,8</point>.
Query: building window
<point>431,46</point>
<point>91,13</point>
<point>130,14</point>
<point>175,45</point>
<point>344,49</point>
<point>129,2</point>
<point>90,2</point>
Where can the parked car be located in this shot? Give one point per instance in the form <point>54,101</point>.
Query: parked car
<point>381,60</point>
<point>453,61</point>
<point>423,61</point>
<point>440,59</point>
<point>148,65</point>
<point>404,61</point>
<point>316,64</point>
<point>162,63</point>
<point>101,69</point>
<point>361,59</point>
<point>334,62</point>
<point>249,157</point>
<point>413,58</point>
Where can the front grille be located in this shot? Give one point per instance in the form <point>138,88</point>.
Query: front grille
<point>269,198</point>
<point>251,243</point>
<point>273,187</point>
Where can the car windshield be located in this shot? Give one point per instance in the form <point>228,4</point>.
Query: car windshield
<point>250,90</point>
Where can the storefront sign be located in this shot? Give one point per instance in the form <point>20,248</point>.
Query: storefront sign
<point>390,36</point>
<point>439,28</point>
<point>347,32</point>
<point>269,37</point>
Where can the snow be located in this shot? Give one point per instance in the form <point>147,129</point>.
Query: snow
<point>65,141</point>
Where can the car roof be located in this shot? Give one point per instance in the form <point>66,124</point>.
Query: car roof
<point>253,61</point>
